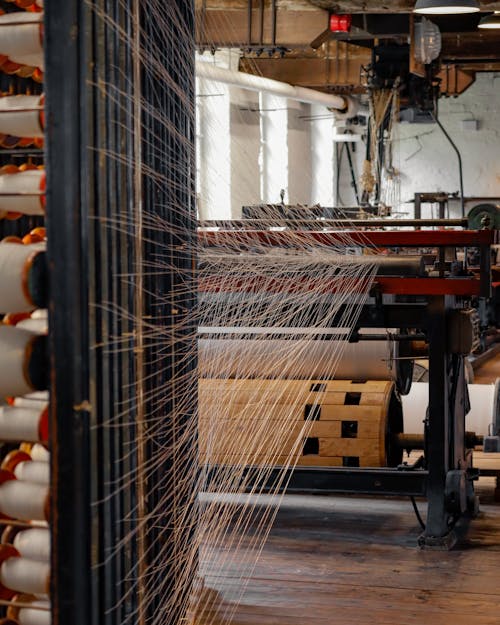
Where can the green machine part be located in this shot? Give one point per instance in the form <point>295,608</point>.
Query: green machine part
<point>484,216</point>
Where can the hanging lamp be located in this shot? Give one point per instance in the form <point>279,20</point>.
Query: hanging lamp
<point>490,21</point>
<point>443,7</point>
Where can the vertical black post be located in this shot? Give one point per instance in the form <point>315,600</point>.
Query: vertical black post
<point>68,321</point>
<point>438,443</point>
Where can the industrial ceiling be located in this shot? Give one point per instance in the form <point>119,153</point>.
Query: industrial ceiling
<point>293,41</point>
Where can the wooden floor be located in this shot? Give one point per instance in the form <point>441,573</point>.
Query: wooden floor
<point>354,561</point>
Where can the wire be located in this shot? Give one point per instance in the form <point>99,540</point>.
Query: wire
<point>417,513</point>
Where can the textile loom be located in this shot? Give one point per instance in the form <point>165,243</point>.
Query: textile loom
<point>423,302</point>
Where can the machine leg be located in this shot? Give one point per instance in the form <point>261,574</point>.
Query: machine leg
<point>437,533</point>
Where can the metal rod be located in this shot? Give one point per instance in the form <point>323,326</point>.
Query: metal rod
<point>353,177</point>
<point>22,193</point>
<point>35,22</point>
<point>31,109</point>
<point>459,156</point>
<point>261,31</point>
<point>330,223</point>
<point>24,604</point>
<point>320,335</point>
<point>249,20</point>
<point>273,23</point>
<point>22,152</point>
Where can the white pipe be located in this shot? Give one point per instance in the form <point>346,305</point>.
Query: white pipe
<point>275,87</point>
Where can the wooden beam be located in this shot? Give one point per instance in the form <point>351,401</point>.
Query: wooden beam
<point>478,45</point>
<point>387,6</point>
<point>227,24</point>
<point>454,80</point>
<point>344,70</point>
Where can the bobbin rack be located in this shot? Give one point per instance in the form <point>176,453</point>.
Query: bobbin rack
<point>436,301</point>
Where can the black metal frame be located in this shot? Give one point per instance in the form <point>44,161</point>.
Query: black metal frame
<point>96,248</point>
<point>68,338</point>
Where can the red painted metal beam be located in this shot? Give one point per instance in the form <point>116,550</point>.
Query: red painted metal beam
<point>385,285</point>
<point>347,238</point>
<point>429,286</point>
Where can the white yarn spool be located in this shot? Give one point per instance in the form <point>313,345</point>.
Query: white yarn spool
<point>14,354</point>
<point>20,116</point>
<point>40,313</point>
<point>22,43</point>
<point>25,576</point>
<point>297,358</point>
<point>32,616</point>
<point>23,500</point>
<point>15,262</point>
<point>39,453</point>
<point>20,192</point>
<point>37,472</point>
<point>484,405</point>
<point>20,424</point>
<point>37,326</point>
<point>38,399</point>
<point>33,544</point>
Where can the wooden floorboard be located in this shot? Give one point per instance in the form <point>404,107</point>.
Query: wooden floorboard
<point>353,561</point>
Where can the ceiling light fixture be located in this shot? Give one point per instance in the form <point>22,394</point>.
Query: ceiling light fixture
<point>491,21</point>
<point>444,7</point>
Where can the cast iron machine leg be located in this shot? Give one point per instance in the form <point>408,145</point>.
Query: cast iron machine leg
<point>449,488</point>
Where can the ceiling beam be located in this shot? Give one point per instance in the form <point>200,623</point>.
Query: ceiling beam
<point>342,72</point>
<point>219,26</point>
<point>463,46</point>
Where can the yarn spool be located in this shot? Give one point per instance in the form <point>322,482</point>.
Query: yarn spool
<point>23,276</point>
<point>304,359</point>
<point>25,425</point>
<point>485,408</point>
<point>38,612</point>
<point>21,37</point>
<point>20,575</point>
<point>21,500</point>
<point>22,116</point>
<point>23,364</point>
<point>23,192</point>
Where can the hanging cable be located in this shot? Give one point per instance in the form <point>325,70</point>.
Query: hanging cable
<point>417,513</point>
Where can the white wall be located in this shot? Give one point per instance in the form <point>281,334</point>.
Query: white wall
<point>425,161</point>
<point>252,145</point>
<point>434,167</point>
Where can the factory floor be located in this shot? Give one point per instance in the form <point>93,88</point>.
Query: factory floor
<point>354,561</point>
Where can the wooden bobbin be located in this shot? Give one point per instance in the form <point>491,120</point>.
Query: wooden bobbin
<point>348,423</point>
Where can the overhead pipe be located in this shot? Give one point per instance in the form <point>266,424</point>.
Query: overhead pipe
<point>343,106</point>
